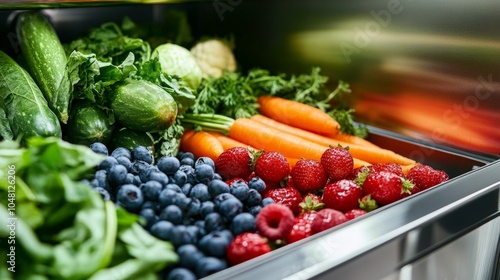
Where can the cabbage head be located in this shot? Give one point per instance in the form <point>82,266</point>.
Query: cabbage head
<point>179,61</point>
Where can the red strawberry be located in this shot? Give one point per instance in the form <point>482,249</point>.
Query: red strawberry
<point>354,213</point>
<point>311,202</point>
<point>246,246</point>
<point>288,196</point>
<point>301,227</point>
<point>386,187</point>
<point>424,177</point>
<point>390,167</point>
<point>367,204</point>
<point>274,221</point>
<point>308,175</point>
<point>342,195</point>
<point>272,167</point>
<point>327,218</point>
<point>338,163</point>
<point>234,162</point>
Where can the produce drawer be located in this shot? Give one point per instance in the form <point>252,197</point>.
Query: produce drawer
<point>448,232</point>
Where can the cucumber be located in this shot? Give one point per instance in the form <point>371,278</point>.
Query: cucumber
<point>143,106</point>
<point>129,139</point>
<point>23,102</point>
<point>88,124</point>
<point>46,60</point>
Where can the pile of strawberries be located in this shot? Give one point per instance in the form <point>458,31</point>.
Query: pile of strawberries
<point>313,196</point>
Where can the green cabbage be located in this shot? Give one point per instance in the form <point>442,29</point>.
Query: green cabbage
<point>179,61</point>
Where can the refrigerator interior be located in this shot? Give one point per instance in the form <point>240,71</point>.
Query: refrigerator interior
<point>425,79</point>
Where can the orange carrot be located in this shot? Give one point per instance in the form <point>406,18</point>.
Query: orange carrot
<point>352,139</point>
<point>264,137</point>
<point>201,143</point>
<point>298,115</point>
<point>406,168</point>
<point>369,154</point>
<point>228,142</point>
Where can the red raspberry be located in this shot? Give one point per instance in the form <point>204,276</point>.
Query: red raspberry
<point>274,221</point>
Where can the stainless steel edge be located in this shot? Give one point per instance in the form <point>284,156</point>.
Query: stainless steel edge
<point>384,241</point>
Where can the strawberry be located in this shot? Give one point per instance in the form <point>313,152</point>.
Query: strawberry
<point>338,163</point>
<point>311,202</point>
<point>274,221</point>
<point>246,246</point>
<point>386,187</point>
<point>272,167</point>
<point>342,195</point>
<point>390,167</point>
<point>308,175</point>
<point>301,227</point>
<point>327,218</point>
<point>367,204</point>
<point>424,177</point>
<point>354,213</point>
<point>288,196</point>
<point>234,162</point>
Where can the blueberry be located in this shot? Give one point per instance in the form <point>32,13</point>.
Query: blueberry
<point>171,213</point>
<point>190,174</point>
<point>125,162</point>
<point>142,153</point>
<point>186,188</point>
<point>99,148</point>
<point>103,192</point>
<point>183,202</point>
<point>220,198</point>
<point>216,187</point>
<point>117,175</point>
<point>254,198</point>
<point>168,165</point>
<point>257,183</point>
<point>149,216</point>
<point>193,208</point>
<point>179,177</point>
<point>255,210</point>
<point>187,161</point>
<point>217,176</point>
<point>200,191</point>
<point>194,231</point>
<point>129,197</point>
<point>266,201</point>
<point>137,180</point>
<point>144,173</point>
<point>229,208</point>
<point>239,189</point>
<point>173,187</point>
<point>94,183</point>
<point>151,190</point>
<point>204,160</point>
<point>209,265</point>
<point>102,179</point>
<point>107,163</point>
<point>206,208</point>
<point>168,197</point>
<point>181,236</point>
<point>121,152</point>
<point>154,205</point>
<point>214,244</point>
<point>214,221</point>
<point>204,173</point>
<point>189,254</point>
<point>139,166</point>
<point>179,273</point>
<point>187,155</point>
<point>158,176</point>
<point>243,222</point>
<point>162,230</point>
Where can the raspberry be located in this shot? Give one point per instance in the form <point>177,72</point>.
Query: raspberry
<point>275,221</point>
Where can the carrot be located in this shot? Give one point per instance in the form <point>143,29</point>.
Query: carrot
<point>406,168</point>
<point>352,139</point>
<point>201,143</point>
<point>264,137</point>
<point>369,154</point>
<point>228,142</point>
<point>298,115</point>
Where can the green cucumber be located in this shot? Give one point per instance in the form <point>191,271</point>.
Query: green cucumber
<point>88,124</point>
<point>46,60</point>
<point>143,106</point>
<point>130,139</point>
<point>23,102</point>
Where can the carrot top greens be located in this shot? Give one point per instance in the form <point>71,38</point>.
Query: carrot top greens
<point>235,95</point>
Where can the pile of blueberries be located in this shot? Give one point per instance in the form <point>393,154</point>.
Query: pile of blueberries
<point>182,199</point>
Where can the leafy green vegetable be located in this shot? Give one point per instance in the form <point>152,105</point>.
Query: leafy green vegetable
<point>5,131</point>
<point>169,140</point>
<point>64,229</point>
<point>177,60</point>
